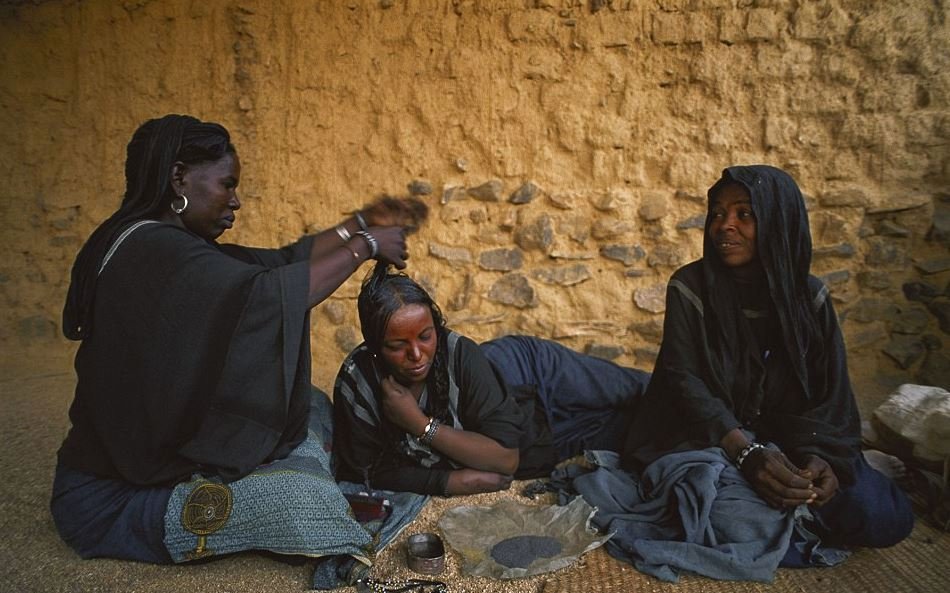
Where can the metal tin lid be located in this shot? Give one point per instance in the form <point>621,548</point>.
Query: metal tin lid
<point>425,553</point>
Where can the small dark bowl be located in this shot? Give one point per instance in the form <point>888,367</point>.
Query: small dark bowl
<point>425,553</point>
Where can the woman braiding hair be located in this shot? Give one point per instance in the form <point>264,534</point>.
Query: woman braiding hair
<point>195,356</point>
<point>155,146</point>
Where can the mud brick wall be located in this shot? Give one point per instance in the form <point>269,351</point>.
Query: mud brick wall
<point>564,147</point>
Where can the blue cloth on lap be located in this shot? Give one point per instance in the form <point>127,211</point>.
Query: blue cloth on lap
<point>691,511</point>
<point>294,506</point>
<point>290,506</point>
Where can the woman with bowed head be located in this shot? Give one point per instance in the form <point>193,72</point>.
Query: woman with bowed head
<point>195,355</point>
<point>750,408</point>
<point>421,408</point>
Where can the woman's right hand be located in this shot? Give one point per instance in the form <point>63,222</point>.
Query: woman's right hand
<point>776,479</point>
<point>391,243</point>
<point>408,213</point>
<point>401,408</point>
<point>474,481</point>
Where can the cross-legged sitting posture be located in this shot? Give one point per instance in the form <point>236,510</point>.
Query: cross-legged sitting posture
<point>750,403</point>
<point>194,367</point>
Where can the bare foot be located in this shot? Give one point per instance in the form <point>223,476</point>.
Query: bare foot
<point>890,466</point>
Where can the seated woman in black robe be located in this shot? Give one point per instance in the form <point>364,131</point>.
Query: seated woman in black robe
<point>752,354</point>
<point>195,356</point>
<point>420,408</point>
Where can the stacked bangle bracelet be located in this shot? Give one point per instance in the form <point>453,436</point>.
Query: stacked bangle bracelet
<point>343,233</point>
<point>361,221</point>
<point>745,452</point>
<point>371,241</point>
<point>429,433</point>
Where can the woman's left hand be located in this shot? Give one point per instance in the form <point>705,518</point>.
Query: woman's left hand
<point>401,407</point>
<point>473,481</point>
<point>823,479</point>
<point>777,480</point>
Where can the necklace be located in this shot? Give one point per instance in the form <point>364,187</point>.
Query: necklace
<point>371,585</point>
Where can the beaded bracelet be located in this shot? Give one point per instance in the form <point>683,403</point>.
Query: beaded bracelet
<point>745,452</point>
<point>372,585</point>
<point>429,433</point>
<point>371,241</point>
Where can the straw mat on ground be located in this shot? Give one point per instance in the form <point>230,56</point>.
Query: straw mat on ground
<point>34,397</point>
<point>920,564</point>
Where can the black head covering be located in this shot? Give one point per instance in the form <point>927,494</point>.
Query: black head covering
<point>154,148</point>
<point>783,247</point>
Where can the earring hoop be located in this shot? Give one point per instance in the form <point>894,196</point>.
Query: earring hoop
<point>183,206</point>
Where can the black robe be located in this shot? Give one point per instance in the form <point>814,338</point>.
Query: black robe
<point>768,357</point>
<point>199,361</point>
<point>368,448</point>
<point>687,407</point>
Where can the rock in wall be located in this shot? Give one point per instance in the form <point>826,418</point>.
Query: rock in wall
<point>564,146</point>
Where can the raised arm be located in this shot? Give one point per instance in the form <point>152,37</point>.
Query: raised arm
<point>376,232</point>
<point>332,260</point>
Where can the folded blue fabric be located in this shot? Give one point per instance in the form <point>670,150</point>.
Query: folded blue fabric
<point>690,511</point>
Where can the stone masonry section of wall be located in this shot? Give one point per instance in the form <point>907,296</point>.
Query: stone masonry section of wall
<point>564,147</point>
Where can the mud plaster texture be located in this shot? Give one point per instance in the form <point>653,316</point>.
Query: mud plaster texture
<point>564,147</point>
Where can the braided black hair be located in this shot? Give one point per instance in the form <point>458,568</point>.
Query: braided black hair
<point>382,294</point>
<point>151,153</point>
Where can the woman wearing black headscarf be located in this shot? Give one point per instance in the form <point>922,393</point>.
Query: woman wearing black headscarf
<point>195,356</point>
<point>753,362</point>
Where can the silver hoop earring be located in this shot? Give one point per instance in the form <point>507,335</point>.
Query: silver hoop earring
<point>183,206</point>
